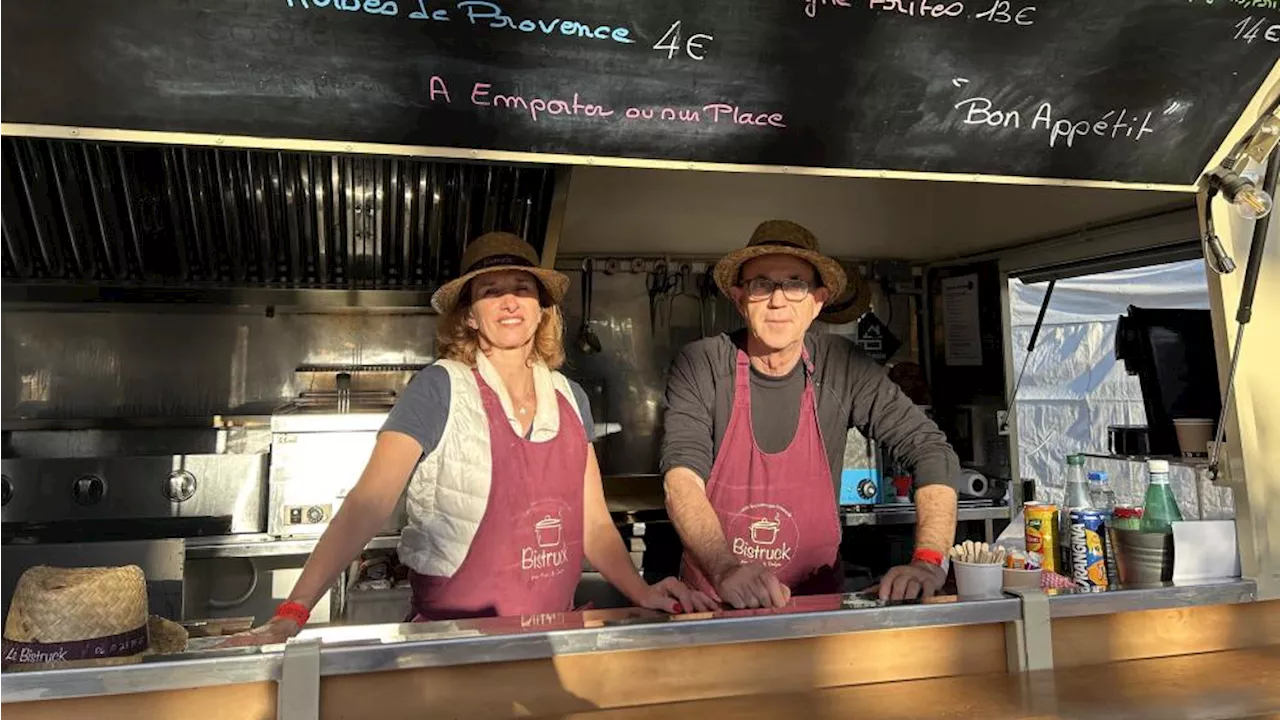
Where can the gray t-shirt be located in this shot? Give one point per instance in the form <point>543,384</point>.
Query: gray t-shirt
<point>423,408</point>
<point>852,390</point>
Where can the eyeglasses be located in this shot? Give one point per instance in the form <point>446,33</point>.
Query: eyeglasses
<point>793,289</point>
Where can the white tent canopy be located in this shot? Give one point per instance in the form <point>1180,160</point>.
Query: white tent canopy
<point>1074,387</point>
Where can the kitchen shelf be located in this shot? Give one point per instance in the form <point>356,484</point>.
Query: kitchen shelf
<point>907,515</point>
<point>266,546</point>
<point>1199,463</point>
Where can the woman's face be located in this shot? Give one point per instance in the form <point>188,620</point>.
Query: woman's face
<point>505,310</point>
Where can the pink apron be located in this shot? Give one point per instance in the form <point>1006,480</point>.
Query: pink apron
<point>776,510</point>
<point>526,557</point>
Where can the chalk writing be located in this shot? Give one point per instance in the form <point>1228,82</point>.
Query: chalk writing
<point>1249,30</point>
<point>489,15</point>
<point>536,108</point>
<point>720,112</point>
<point>918,8</point>
<point>478,11</point>
<point>373,7</point>
<point>811,6</point>
<point>439,14</point>
<point>1113,124</point>
<point>539,108</point>
<point>1002,12</point>
<point>693,46</point>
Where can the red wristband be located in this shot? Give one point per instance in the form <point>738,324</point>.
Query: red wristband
<point>933,557</point>
<point>296,612</point>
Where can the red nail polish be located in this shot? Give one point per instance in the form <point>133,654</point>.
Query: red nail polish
<point>678,608</point>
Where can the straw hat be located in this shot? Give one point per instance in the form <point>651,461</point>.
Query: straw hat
<point>781,237</point>
<point>850,305</point>
<point>493,252</point>
<point>84,616</point>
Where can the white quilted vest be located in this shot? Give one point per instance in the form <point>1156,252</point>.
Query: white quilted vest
<point>449,491</point>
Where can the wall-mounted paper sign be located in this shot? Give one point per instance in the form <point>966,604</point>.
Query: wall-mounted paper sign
<point>961,333</point>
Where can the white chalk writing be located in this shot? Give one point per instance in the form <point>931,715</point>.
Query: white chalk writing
<point>693,46</point>
<point>1112,124</point>
<point>1249,30</point>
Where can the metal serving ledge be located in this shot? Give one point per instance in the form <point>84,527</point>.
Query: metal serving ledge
<point>375,648</point>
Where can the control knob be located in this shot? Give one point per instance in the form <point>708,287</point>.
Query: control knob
<point>180,486</point>
<point>88,490</point>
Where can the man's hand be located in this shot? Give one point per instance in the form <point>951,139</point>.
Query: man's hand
<point>750,586</point>
<point>906,582</point>
<point>672,596</point>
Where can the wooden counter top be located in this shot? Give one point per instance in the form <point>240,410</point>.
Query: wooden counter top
<point>1230,684</point>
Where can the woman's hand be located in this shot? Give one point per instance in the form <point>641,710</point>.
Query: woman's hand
<point>274,632</point>
<point>671,595</point>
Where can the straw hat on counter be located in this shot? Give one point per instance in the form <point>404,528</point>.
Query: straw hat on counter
<point>494,252</point>
<point>781,237</point>
<point>67,617</point>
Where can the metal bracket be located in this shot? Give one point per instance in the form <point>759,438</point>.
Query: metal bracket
<point>1029,641</point>
<point>298,694</point>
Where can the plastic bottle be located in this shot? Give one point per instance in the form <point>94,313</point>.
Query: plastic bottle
<point>1159,507</point>
<point>1100,493</point>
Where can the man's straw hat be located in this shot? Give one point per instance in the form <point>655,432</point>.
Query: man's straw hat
<point>493,252</point>
<point>84,616</point>
<point>781,237</point>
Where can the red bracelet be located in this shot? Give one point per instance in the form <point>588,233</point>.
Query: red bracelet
<point>933,557</point>
<point>296,612</point>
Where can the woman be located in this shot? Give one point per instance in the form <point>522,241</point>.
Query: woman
<point>504,492</point>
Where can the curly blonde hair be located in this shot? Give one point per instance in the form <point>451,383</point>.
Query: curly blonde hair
<point>456,340</point>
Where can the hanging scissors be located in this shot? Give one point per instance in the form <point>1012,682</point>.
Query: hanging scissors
<point>660,283</point>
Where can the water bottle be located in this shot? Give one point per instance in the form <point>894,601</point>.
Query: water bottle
<point>1159,507</point>
<point>1100,493</point>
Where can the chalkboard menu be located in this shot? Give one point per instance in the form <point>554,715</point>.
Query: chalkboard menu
<point>1139,91</point>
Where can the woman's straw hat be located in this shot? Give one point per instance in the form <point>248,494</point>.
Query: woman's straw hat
<point>62,617</point>
<point>493,252</point>
<point>781,237</point>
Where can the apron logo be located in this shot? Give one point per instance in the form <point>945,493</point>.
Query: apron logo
<point>547,555</point>
<point>764,533</point>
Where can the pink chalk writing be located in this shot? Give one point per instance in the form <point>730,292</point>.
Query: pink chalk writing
<point>536,107</point>
<point>439,88</point>
<point>721,112</point>
<point>539,108</point>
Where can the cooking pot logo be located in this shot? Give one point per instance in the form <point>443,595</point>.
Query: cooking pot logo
<point>765,531</point>
<point>547,531</point>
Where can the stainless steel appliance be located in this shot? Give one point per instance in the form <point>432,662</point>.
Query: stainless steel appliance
<point>320,444</point>
<point>59,487</point>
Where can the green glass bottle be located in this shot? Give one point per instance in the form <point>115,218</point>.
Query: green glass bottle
<point>1159,507</point>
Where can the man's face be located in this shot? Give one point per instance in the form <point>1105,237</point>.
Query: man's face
<point>780,318</point>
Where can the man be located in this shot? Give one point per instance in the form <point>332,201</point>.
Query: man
<point>755,431</point>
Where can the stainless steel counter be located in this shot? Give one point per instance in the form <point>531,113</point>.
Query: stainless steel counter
<point>360,649</point>
<point>1076,603</point>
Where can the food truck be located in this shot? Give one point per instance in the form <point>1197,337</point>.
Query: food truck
<point>224,222</point>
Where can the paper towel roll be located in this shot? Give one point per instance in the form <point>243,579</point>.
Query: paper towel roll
<point>973,483</point>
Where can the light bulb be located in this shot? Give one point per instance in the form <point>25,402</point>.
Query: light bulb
<point>1252,202</point>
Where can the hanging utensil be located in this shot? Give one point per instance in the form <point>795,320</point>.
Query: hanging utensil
<point>656,283</point>
<point>683,285</point>
<point>588,343</point>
